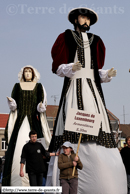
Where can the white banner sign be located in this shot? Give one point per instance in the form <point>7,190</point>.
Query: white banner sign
<point>83,122</point>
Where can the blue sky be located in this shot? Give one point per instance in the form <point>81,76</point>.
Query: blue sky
<point>28,29</point>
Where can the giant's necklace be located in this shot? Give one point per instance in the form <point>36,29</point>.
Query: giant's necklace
<point>81,43</point>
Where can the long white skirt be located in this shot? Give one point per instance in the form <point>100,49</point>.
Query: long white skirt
<point>23,137</point>
<point>103,170</point>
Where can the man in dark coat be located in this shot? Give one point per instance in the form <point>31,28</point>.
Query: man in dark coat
<point>125,154</point>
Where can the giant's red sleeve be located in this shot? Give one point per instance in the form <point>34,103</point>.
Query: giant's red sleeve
<point>100,53</point>
<point>59,52</point>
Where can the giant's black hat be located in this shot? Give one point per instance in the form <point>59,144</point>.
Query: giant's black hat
<point>73,14</point>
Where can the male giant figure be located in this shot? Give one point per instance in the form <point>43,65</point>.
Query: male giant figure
<point>79,57</point>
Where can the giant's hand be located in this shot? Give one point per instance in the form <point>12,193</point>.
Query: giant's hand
<point>112,72</point>
<point>9,99</point>
<point>12,103</point>
<point>77,66</point>
<point>40,105</point>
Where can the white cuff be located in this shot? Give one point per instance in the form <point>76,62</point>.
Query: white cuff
<point>104,76</point>
<point>42,108</point>
<point>12,104</point>
<point>65,70</point>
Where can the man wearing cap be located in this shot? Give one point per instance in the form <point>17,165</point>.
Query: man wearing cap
<point>79,57</point>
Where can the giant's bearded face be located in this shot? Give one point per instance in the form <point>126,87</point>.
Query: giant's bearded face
<point>83,23</point>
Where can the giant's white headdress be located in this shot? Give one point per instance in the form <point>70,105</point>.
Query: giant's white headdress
<point>36,74</point>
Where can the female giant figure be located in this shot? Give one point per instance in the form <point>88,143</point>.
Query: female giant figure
<point>28,105</point>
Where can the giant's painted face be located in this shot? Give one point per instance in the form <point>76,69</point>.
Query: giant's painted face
<point>83,22</point>
<point>28,74</point>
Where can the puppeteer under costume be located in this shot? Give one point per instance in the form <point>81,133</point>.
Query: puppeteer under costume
<point>103,171</point>
<point>28,108</point>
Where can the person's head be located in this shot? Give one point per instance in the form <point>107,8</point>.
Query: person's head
<point>82,18</point>
<point>125,144</point>
<point>128,141</point>
<point>28,74</point>
<point>67,148</point>
<point>33,136</point>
